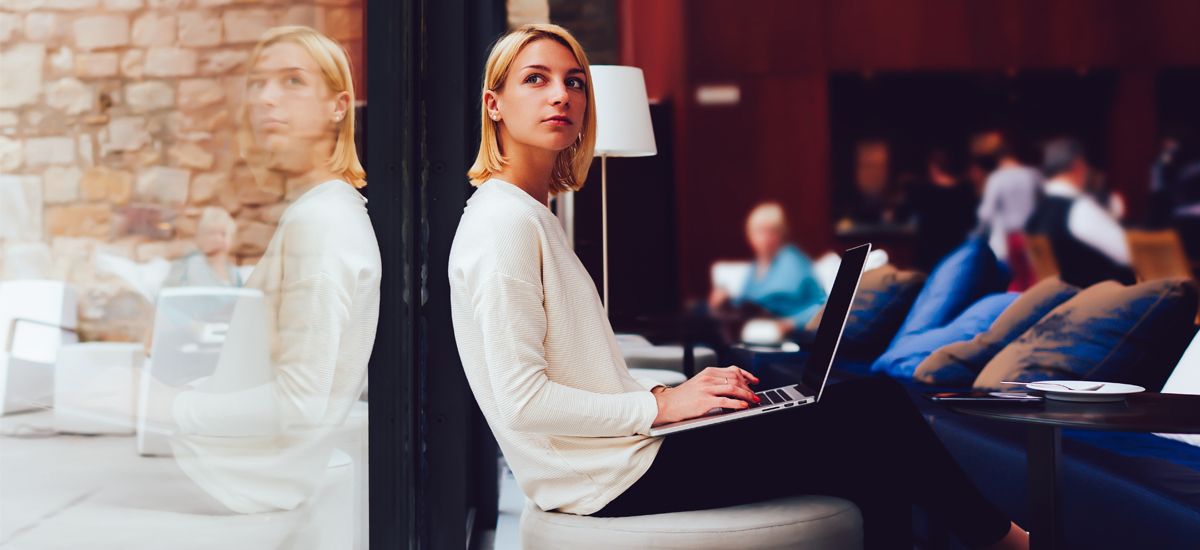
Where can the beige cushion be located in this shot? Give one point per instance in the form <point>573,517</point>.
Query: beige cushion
<point>810,522</point>
<point>1108,332</point>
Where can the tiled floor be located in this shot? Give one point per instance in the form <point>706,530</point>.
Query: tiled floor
<point>96,492</point>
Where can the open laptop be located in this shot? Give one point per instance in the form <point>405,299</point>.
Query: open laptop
<point>820,360</point>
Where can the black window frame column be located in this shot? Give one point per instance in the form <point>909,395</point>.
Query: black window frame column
<point>434,464</point>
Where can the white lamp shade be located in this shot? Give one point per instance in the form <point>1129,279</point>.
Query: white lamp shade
<point>623,126</point>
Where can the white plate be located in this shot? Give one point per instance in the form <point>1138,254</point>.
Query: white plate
<point>1073,390</point>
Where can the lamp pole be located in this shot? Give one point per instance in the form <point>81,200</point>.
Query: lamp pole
<point>604,223</point>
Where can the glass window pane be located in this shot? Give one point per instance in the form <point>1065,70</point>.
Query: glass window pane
<point>189,281</point>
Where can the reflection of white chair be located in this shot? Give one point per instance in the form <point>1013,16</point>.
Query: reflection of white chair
<point>36,317</point>
<point>190,326</point>
<point>77,367</point>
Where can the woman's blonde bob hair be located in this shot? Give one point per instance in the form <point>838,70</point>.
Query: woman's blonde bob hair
<point>571,167</point>
<point>335,67</point>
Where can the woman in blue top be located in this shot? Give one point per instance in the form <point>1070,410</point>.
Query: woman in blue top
<point>781,280</point>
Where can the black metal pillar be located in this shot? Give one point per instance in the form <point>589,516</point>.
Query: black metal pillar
<point>435,475</point>
<point>394,182</point>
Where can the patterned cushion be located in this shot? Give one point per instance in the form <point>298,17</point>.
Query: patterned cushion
<point>901,360</point>
<point>883,299</point>
<point>1100,334</point>
<point>958,364</point>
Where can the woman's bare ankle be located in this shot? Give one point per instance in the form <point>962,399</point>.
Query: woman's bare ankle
<point>1016,539</point>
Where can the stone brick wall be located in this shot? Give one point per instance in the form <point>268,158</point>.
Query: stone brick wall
<point>117,128</point>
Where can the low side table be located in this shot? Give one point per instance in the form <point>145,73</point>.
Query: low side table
<point>1140,412</point>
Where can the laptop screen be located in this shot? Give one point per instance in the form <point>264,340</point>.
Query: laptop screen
<point>833,320</point>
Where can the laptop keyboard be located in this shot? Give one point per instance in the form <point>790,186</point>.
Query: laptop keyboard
<point>771,397</point>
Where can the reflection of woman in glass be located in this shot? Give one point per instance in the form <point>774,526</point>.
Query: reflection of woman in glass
<point>546,370</point>
<point>210,264</point>
<point>258,446</point>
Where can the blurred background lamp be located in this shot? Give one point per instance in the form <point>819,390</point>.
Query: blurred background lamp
<point>623,129</point>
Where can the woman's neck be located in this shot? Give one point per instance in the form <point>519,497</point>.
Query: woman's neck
<point>528,168</point>
<point>299,184</point>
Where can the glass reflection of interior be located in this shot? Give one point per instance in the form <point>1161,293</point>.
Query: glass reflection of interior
<point>213,238</point>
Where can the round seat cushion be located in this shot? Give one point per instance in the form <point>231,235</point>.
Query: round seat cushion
<point>811,522</point>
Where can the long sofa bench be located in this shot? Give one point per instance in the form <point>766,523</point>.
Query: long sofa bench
<point>1120,490</point>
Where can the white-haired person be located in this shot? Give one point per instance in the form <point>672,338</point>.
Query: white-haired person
<point>545,368</point>
<point>782,284</point>
<point>209,264</point>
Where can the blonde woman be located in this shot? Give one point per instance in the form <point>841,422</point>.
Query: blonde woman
<point>545,368</point>
<point>256,435</point>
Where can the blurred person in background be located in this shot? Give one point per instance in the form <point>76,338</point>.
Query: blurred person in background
<point>1089,245</point>
<point>1009,196</point>
<point>781,285</point>
<point>944,208</point>
<point>1175,187</point>
<point>209,265</point>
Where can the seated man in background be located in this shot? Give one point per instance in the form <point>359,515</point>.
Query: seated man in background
<point>781,285</point>
<point>1089,245</point>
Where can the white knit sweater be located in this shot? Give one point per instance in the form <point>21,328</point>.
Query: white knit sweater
<point>541,357</point>
<point>266,447</point>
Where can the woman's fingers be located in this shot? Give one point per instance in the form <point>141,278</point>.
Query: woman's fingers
<point>726,403</point>
<point>747,376</point>
<point>740,392</point>
<point>735,372</point>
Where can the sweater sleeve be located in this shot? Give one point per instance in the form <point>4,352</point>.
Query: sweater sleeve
<point>510,314</point>
<point>313,314</point>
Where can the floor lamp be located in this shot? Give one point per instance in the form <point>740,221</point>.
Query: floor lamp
<point>623,129</point>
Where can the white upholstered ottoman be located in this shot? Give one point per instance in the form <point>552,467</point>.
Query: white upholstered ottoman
<point>804,522</point>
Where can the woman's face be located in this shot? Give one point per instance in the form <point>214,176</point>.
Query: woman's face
<point>289,106</point>
<point>212,239</point>
<point>765,239</point>
<point>544,98</point>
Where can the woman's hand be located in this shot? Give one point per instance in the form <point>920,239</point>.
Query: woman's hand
<point>727,388</point>
<point>717,298</point>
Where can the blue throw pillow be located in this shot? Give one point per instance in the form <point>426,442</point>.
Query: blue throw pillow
<point>901,360</point>
<point>961,278</point>
<point>958,364</point>
<point>1107,332</point>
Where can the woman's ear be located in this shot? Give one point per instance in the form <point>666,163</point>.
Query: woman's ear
<point>490,102</point>
<point>341,104</point>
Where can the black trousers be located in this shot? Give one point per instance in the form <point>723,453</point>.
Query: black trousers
<point>864,441</point>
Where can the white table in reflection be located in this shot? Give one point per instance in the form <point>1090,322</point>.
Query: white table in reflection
<point>97,492</point>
